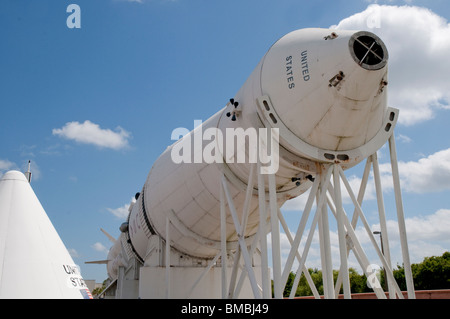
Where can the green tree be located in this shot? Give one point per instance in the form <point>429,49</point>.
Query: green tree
<point>432,273</point>
<point>357,283</point>
<point>97,291</point>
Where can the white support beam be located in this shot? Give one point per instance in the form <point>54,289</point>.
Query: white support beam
<point>167,258</point>
<point>401,219</point>
<point>248,199</point>
<point>325,180</point>
<point>275,235</point>
<point>370,234</point>
<point>325,251</point>
<point>265,280</point>
<point>241,240</point>
<point>341,232</point>
<point>207,269</point>
<point>253,247</point>
<point>241,232</point>
<point>321,191</point>
<point>299,258</point>
<point>383,225</point>
<point>223,237</point>
<point>234,271</point>
<point>362,189</point>
<point>300,230</point>
<point>361,193</point>
<point>354,244</point>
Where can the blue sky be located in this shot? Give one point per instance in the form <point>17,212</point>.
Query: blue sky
<point>93,107</point>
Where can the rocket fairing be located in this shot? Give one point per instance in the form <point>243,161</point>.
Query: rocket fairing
<point>324,91</point>
<point>34,263</point>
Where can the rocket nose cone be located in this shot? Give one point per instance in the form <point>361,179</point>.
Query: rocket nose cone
<point>13,175</point>
<point>368,50</point>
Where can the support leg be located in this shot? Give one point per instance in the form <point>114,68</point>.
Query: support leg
<point>168,258</point>
<point>341,232</point>
<point>325,252</point>
<point>401,219</point>
<point>300,230</point>
<point>266,287</point>
<point>325,180</point>
<point>383,225</point>
<point>223,235</point>
<point>370,234</point>
<point>299,258</point>
<point>276,248</point>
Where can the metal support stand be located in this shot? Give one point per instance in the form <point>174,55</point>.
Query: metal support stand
<point>326,192</point>
<point>329,195</point>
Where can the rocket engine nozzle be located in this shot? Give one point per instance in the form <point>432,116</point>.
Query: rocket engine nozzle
<point>368,50</point>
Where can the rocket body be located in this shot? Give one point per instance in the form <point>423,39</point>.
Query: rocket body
<point>325,93</point>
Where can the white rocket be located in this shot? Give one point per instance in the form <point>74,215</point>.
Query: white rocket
<point>34,263</point>
<point>324,91</point>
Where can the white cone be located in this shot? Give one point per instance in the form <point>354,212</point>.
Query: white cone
<point>34,263</point>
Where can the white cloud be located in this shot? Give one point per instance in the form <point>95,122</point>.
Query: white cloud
<point>404,139</point>
<point>428,235</point>
<point>430,227</point>
<point>418,41</point>
<point>99,247</point>
<point>6,165</point>
<point>91,133</point>
<point>429,174</point>
<point>121,212</point>
<point>427,228</point>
